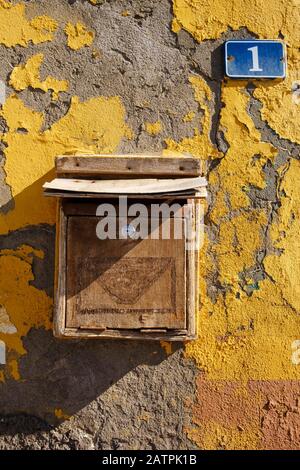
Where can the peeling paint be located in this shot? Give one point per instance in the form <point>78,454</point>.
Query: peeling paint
<point>284,266</point>
<point>280,109</point>
<point>28,75</point>
<point>78,36</point>
<point>97,124</point>
<point>153,128</point>
<point>199,145</point>
<point>208,19</point>
<point>189,116</point>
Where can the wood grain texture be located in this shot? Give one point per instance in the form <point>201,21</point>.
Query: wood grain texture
<point>60,295</point>
<point>130,165</point>
<point>123,289</point>
<point>124,283</point>
<point>129,186</point>
<point>170,335</point>
<point>200,193</point>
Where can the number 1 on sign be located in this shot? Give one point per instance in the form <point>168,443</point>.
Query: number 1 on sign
<point>255,62</point>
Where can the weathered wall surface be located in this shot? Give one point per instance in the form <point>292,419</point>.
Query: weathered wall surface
<point>147,75</point>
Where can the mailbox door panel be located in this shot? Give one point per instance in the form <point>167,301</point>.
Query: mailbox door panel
<point>125,283</point>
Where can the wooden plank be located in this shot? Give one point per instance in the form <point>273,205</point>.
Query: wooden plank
<point>190,276</point>
<point>89,208</point>
<point>199,193</point>
<point>171,335</point>
<point>193,273</point>
<point>133,186</point>
<point>60,298</point>
<point>124,283</point>
<point>198,222</point>
<point>132,165</point>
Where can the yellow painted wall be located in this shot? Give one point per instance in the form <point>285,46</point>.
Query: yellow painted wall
<point>247,331</point>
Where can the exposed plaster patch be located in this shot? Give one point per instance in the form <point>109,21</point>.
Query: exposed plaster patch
<point>6,202</point>
<point>6,326</point>
<point>199,145</point>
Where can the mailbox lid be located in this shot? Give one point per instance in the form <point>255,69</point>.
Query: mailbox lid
<point>66,187</point>
<point>124,283</point>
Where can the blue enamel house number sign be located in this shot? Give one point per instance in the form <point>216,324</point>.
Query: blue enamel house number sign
<point>255,59</point>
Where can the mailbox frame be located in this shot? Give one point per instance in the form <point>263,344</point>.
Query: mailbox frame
<point>70,202</point>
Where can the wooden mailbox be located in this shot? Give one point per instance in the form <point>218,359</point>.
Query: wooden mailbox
<point>140,281</point>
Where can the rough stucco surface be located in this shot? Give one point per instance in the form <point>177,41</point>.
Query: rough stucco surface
<point>133,76</point>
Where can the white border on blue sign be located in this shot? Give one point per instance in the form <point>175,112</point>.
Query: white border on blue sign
<point>257,77</point>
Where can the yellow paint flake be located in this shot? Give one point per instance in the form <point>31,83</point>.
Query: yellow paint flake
<point>60,414</point>
<point>28,74</point>
<point>78,36</point>
<point>199,145</point>
<point>208,19</point>
<point>13,368</point>
<point>167,345</point>
<point>239,240</point>
<point>16,29</point>
<point>153,128</point>
<point>95,125</point>
<point>24,252</point>
<point>26,305</point>
<point>189,116</point>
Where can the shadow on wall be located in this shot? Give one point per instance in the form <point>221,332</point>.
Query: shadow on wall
<point>68,375</point>
<point>56,374</point>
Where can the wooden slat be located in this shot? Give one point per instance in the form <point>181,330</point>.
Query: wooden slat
<point>199,193</point>
<point>132,165</point>
<point>60,297</point>
<point>193,273</point>
<point>124,283</point>
<point>171,335</point>
<point>190,281</point>
<point>134,186</point>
